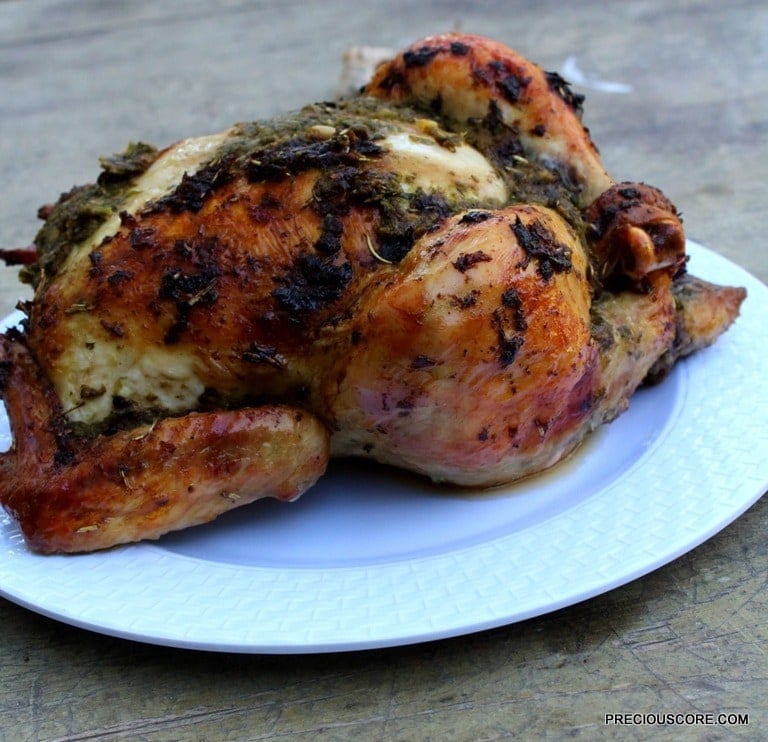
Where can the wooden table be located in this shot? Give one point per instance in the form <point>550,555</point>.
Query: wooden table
<point>677,95</point>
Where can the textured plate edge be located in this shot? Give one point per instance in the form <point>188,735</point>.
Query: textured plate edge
<point>396,638</point>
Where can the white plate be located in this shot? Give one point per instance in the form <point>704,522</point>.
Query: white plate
<point>374,558</point>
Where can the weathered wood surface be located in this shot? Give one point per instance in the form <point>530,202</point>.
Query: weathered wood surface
<point>676,96</point>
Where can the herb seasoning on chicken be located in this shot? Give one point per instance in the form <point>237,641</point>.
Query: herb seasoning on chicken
<point>437,273</point>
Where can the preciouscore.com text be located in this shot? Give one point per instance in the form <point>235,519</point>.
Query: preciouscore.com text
<point>681,719</point>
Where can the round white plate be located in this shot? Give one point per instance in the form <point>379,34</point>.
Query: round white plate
<point>372,557</point>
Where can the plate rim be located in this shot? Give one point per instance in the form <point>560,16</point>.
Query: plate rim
<point>436,596</point>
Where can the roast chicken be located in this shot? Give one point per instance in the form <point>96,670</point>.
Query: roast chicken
<point>436,273</point>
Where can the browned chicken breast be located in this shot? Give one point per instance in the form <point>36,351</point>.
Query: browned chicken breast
<point>437,273</point>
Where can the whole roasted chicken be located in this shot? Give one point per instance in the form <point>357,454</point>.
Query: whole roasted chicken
<point>436,273</point>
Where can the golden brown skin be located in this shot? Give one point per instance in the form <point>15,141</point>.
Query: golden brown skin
<point>488,373</point>
<point>141,483</point>
<point>457,288</point>
<point>702,310</point>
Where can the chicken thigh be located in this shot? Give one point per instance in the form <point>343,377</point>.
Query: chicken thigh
<point>436,273</point>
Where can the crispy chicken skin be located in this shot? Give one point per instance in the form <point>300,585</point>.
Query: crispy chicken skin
<point>437,273</point>
<point>141,483</point>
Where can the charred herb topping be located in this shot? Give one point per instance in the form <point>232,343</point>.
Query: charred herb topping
<point>510,83</point>
<point>119,276</point>
<point>511,299</point>
<point>539,243</point>
<point>406,218</point>
<point>135,160</point>
<point>475,216</point>
<point>65,451</point>
<point>561,86</point>
<point>402,216</point>
<point>509,345</point>
<point>510,324</point>
<point>264,354</point>
<point>527,181</point>
<point>81,211</point>
<point>458,49</point>
<point>353,122</point>
<point>297,156</point>
<point>466,301</point>
<point>5,373</point>
<point>193,190</point>
<point>342,142</point>
<point>190,289</point>
<point>465,261</point>
<point>142,237</point>
<point>311,283</point>
<point>420,58</point>
<point>392,79</point>
<point>497,75</point>
<point>329,242</point>
<point>629,192</point>
<point>553,186</point>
